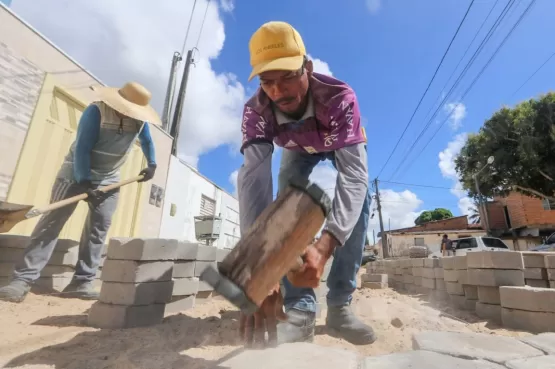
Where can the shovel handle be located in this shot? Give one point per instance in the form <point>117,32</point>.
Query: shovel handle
<point>83,196</point>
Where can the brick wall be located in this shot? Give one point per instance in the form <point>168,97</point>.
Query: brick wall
<point>20,83</point>
<point>460,222</point>
<point>496,215</point>
<point>526,211</point>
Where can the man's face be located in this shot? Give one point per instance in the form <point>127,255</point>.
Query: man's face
<point>285,88</point>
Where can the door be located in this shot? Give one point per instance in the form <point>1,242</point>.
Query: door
<point>51,133</point>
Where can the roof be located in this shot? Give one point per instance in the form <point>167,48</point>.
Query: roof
<point>453,224</point>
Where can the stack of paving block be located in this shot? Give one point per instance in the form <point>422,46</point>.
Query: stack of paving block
<point>439,292</point>
<point>408,278</point>
<point>417,271</point>
<point>184,277</point>
<point>535,270</point>
<point>397,278</point>
<point>550,265</point>
<point>489,270</point>
<point>470,298</point>
<point>55,276</point>
<point>206,255</point>
<point>453,269</point>
<point>137,283</point>
<point>375,277</point>
<point>528,308</point>
<point>389,267</point>
<point>428,275</point>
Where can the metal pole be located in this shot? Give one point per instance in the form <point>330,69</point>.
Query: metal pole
<point>174,131</point>
<point>385,249</point>
<point>166,113</point>
<point>374,236</point>
<point>481,206</point>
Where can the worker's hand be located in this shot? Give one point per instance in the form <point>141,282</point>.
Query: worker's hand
<point>252,328</point>
<point>147,173</point>
<point>315,259</point>
<point>92,193</point>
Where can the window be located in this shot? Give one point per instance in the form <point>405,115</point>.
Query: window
<point>419,241</point>
<point>494,242</point>
<point>548,204</point>
<point>207,206</point>
<point>466,243</point>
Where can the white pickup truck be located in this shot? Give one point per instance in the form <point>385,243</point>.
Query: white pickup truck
<point>462,246</point>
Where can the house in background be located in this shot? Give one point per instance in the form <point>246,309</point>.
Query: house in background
<point>524,219</point>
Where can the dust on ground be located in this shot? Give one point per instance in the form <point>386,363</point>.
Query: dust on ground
<point>49,332</point>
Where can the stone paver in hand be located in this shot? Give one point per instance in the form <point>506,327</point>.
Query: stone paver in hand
<point>499,349</point>
<point>424,360</point>
<point>293,355</point>
<point>543,341</point>
<point>540,362</point>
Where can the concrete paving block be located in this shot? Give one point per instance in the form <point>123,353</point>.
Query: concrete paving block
<point>495,277</point>
<point>417,263</point>
<point>489,295</point>
<point>528,298</point>
<point>186,250</point>
<point>460,262</point>
<point>204,287</point>
<point>534,259</point>
<point>429,283</point>
<point>185,286</point>
<point>423,360</point>
<point>203,297</point>
<point>470,292</point>
<point>382,278</point>
<point>293,355</point>
<point>551,284</point>
<point>137,271</point>
<point>417,272</point>
<point>539,362</point>
<point>495,260</point>
<point>550,260</point>
<point>440,285</point>
<point>531,321</point>
<point>458,302</point>
<point>439,295</point>
<point>535,273</point>
<point>64,258</point>
<point>540,283</point>
<point>431,263</point>
<point>179,304</point>
<point>184,269</point>
<point>498,349</point>
<point>221,254</point>
<point>375,285</point>
<point>136,293</point>
<point>398,271</point>
<point>142,249</point>
<point>551,274</point>
<point>407,271</point>
<point>417,281</point>
<point>108,316</point>
<point>450,275</point>
<point>50,271</point>
<point>454,288</point>
<point>489,312</point>
<point>201,265</point>
<point>448,263</point>
<point>407,278</point>
<point>462,276</point>
<point>207,253</point>
<point>428,273</point>
<point>438,273</point>
<point>21,242</point>
<point>543,341</point>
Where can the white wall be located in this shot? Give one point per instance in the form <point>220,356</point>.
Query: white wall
<point>184,188</point>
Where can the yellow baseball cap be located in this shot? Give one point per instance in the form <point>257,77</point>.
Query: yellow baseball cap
<point>276,46</point>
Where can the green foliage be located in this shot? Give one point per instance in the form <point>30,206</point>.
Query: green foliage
<point>522,141</point>
<point>436,214</point>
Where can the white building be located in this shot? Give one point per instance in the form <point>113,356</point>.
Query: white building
<point>189,194</point>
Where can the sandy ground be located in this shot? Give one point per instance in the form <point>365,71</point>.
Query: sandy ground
<point>49,332</point>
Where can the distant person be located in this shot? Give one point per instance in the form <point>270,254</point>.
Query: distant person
<point>107,130</point>
<point>446,245</point>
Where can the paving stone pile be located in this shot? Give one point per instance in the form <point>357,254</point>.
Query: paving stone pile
<point>376,276</point>
<point>433,350</point>
<point>535,269</point>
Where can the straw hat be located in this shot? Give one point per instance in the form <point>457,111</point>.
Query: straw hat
<point>131,100</point>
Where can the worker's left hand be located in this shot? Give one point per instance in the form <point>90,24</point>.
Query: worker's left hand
<point>147,173</point>
<point>315,259</point>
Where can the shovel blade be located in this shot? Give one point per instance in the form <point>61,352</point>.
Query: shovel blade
<point>11,214</point>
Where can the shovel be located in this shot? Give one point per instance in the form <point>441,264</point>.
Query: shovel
<point>11,214</point>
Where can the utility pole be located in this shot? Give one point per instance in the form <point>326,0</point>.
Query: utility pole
<point>374,236</point>
<point>385,249</point>
<point>166,113</point>
<point>174,131</point>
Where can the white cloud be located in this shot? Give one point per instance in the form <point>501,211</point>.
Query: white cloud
<point>373,5</point>
<point>457,113</point>
<point>233,181</point>
<point>227,5</point>
<point>320,66</point>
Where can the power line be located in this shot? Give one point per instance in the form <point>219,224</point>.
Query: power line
<point>188,28</point>
<point>469,64</point>
<point>427,88</point>
<point>533,74</point>
<point>202,24</point>
<point>416,185</point>
<point>522,16</point>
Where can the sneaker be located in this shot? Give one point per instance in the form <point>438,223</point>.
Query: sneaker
<point>15,291</point>
<point>341,322</point>
<point>299,327</point>
<point>83,290</point>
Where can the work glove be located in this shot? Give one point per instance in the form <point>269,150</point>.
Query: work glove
<point>252,328</point>
<point>147,173</point>
<point>92,193</point>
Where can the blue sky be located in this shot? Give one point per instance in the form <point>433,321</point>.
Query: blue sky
<point>387,50</point>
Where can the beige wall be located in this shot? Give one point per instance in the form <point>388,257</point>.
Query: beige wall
<point>401,242</point>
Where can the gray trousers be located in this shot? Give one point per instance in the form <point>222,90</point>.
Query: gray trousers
<point>45,235</point>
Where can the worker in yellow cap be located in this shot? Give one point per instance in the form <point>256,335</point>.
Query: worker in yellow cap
<point>314,118</point>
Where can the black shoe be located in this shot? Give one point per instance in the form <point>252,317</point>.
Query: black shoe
<point>342,323</point>
<point>16,291</point>
<point>299,327</point>
<point>83,290</point>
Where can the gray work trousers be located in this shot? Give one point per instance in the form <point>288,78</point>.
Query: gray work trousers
<point>46,233</point>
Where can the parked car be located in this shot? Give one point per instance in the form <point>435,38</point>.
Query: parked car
<point>548,245</point>
<point>462,246</point>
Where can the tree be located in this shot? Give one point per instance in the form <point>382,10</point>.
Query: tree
<point>474,215</point>
<point>436,214</point>
<point>522,141</point>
